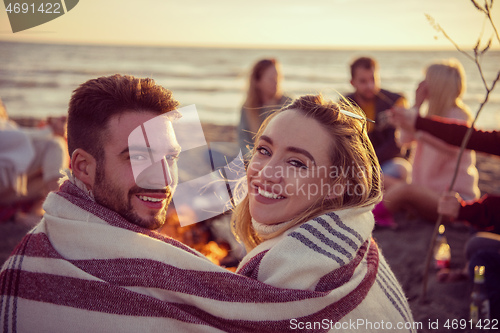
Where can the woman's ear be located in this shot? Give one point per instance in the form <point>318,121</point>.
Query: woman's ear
<point>84,167</point>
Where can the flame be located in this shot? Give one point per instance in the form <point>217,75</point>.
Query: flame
<point>214,252</point>
<point>196,236</point>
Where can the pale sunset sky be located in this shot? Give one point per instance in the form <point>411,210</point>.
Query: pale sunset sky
<point>399,24</point>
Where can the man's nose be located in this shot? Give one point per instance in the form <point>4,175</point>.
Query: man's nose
<point>372,85</point>
<point>157,176</point>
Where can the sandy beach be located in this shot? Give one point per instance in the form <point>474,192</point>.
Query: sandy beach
<point>404,248</point>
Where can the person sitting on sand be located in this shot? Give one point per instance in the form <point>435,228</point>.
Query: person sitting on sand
<point>306,218</point>
<point>434,161</point>
<point>374,101</point>
<point>96,263</point>
<point>30,163</point>
<point>483,249</point>
<point>263,95</point>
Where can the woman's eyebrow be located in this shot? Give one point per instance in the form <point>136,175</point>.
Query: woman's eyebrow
<point>301,151</point>
<point>292,149</point>
<point>266,138</point>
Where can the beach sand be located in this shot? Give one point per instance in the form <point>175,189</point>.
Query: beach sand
<point>404,248</point>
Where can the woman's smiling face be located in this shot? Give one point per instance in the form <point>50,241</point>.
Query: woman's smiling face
<point>289,171</point>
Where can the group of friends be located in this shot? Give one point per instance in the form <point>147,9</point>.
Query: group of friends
<point>96,263</point>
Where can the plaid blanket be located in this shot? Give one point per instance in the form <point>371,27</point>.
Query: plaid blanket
<point>84,268</point>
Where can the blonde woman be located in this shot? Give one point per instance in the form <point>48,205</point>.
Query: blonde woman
<point>434,160</point>
<point>263,96</point>
<point>306,219</point>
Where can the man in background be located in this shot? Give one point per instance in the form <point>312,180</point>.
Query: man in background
<point>374,101</point>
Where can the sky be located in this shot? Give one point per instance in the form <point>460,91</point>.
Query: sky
<point>393,24</point>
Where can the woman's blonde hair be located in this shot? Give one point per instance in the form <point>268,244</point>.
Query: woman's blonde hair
<point>254,96</point>
<point>351,155</point>
<point>446,85</point>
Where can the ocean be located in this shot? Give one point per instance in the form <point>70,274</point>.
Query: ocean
<point>38,79</point>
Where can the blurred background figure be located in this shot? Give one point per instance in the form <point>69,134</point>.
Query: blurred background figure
<point>434,160</point>
<point>483,248</point>
<point>30,163</point>
<point>374,101</point>
<point>263,96</point>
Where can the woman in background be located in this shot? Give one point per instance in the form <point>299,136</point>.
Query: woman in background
<point>434,160</point>
<point>483,248</point>
<point>263,96</point>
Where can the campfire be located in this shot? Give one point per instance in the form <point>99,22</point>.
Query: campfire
<point>197,236</point>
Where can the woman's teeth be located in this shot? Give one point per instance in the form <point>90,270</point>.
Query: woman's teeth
<point>269,194</point>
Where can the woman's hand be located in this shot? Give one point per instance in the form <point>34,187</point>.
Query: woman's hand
<point>449,205</point>
<point>421,94</point>
<point>403,118</point>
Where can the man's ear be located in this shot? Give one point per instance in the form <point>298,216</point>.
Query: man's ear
<point>84,167</point>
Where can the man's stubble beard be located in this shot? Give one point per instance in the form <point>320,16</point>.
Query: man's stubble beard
<point>105,192</point>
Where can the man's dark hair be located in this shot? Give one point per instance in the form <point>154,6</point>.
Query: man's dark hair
<point>363,62</point>
<point>94,102</point>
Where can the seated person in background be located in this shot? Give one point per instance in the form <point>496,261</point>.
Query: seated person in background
<point>263,96</point>
<point>30,163</point>
<point>434,161</point>
<point>483,249</point>
<point>374,101</point>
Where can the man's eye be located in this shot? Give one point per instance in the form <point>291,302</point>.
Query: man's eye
<point>138,157</point>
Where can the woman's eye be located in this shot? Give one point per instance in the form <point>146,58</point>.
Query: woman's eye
<point>263,151</point>
<point>172,157</point>
<point>298,164</point>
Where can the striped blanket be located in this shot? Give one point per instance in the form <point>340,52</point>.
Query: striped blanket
<point>84,268</point>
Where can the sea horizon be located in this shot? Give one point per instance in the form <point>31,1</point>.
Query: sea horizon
<point>422,48</point>
<point>36,79</point>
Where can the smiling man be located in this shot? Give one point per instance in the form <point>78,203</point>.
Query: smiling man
<point>90,242</point>
<point>102,115</point>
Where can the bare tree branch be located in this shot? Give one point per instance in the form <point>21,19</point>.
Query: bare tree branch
<point>487,47</point>
<point>477,6</point>
<point>438,28</point>
<point>489,89</point>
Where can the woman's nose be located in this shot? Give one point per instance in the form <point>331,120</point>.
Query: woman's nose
<point>271,172</point>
